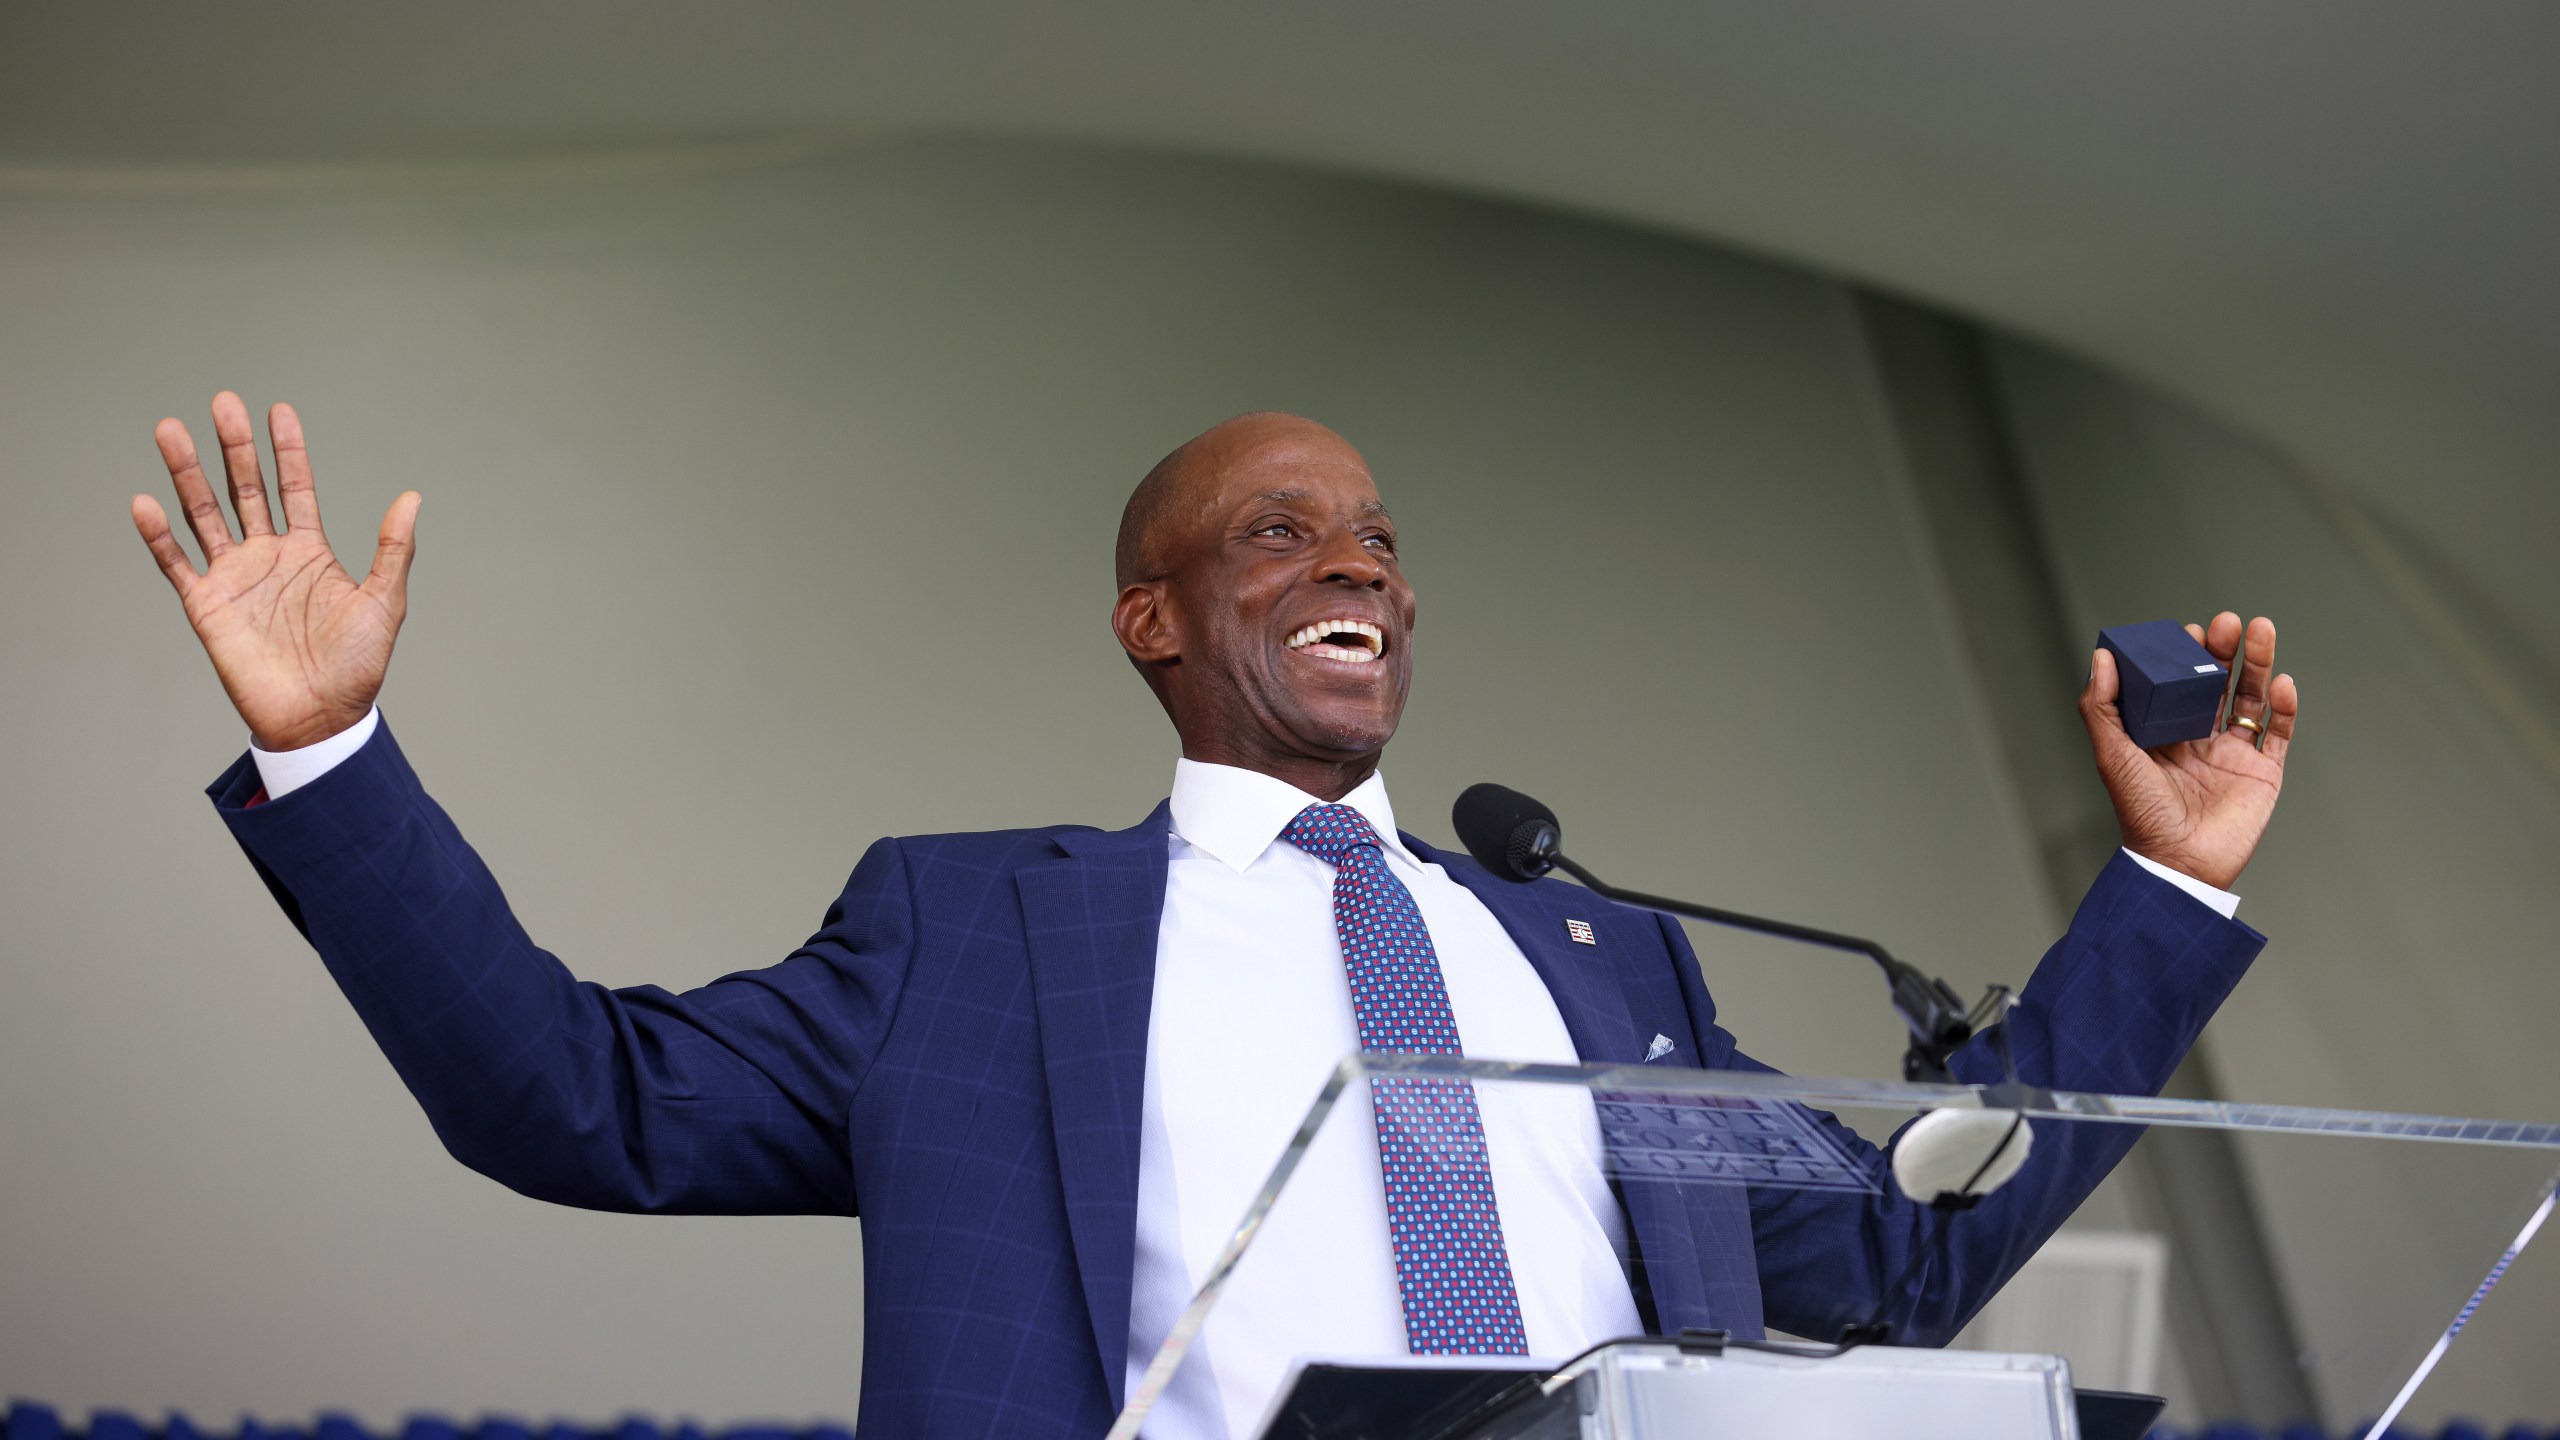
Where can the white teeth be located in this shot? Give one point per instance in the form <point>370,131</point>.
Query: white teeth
<point>1313,634</point>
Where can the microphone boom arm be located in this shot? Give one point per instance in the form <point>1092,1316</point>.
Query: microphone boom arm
<point>1937,1019</point>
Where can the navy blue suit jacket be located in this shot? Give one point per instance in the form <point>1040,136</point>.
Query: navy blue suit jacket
<point>957,1057</point>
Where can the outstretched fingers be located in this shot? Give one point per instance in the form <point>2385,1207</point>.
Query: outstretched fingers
<point>2104,684</point>
<point>2222,637</point>
<point>240,464</point>
<point>293,469</point>
<point>153,523</point>
<point>2113,747</point>
<point>393,549</point>
<point>2256,662</point>
<point>195,493</point>
<point>2284,704</point>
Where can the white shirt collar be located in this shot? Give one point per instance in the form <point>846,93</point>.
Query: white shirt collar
<point>1235,814</point>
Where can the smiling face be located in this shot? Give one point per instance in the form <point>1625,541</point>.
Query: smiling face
<point>1262,598</point>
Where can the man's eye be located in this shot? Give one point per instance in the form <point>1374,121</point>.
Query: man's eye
<point>1276,527</point>
<point>1383,542</point>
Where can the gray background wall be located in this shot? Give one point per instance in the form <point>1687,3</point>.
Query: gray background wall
<point>2407,883</point>
<point>768,507</point>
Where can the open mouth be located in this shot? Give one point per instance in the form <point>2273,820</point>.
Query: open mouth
<point>1357,641</point>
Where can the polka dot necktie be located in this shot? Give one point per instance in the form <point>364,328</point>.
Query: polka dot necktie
<point>1451,1267</point>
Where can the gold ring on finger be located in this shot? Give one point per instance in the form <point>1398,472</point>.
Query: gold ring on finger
<point>2252,726</point>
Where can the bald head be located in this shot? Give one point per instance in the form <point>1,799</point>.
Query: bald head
<point>1178,492</point>
<point>1262,598</point>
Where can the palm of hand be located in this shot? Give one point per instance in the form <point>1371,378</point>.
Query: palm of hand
<point>2205,803</point>
<point>300,646</point>
<point>2200,807</point>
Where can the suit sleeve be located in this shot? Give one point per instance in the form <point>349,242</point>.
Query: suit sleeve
<point>2111,1009</point>
<point>728,1099</point>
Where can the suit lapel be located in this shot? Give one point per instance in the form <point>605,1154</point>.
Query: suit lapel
<point>1091,921</point>
<point>1583,979</point>
<point>1590,985</point>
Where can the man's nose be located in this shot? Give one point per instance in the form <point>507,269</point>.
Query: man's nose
<point>1347,560</point>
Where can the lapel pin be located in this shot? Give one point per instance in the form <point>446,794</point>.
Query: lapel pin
<point>1579,931</point>
<point>1661,1046</point>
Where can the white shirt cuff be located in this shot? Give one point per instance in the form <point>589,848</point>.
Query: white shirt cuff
<point>2221,902</point>
<point>285,771</point>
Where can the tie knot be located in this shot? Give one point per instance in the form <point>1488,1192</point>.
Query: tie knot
<point>1330,832</point>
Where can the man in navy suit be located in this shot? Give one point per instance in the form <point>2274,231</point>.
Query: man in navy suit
<point>1044,1066</point>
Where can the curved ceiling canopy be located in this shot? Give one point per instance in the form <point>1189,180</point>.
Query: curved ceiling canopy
<point>2334,223</point>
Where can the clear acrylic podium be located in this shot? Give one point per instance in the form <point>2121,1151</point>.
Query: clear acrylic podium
<point>2426,1215</point>
<point>1676,1390</point>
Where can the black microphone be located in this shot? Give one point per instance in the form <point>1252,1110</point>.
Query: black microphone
<point>1519,839</point>
<point>1510,834</point>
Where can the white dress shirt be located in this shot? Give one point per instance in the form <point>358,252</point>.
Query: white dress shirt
<point>1251,1012</point>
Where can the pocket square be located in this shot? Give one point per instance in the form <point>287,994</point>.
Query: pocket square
<point>1661,1046</point>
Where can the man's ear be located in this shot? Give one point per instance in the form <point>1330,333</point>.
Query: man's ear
<point>1145,624</point>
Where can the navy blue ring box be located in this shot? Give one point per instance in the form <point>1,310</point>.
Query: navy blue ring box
<point>2169,688</point>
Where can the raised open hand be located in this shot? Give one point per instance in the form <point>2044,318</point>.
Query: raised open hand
<point>300,646</point>
<point>2200,807</point>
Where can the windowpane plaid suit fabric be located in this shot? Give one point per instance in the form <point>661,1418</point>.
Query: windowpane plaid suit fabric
<point>958,1055</point>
